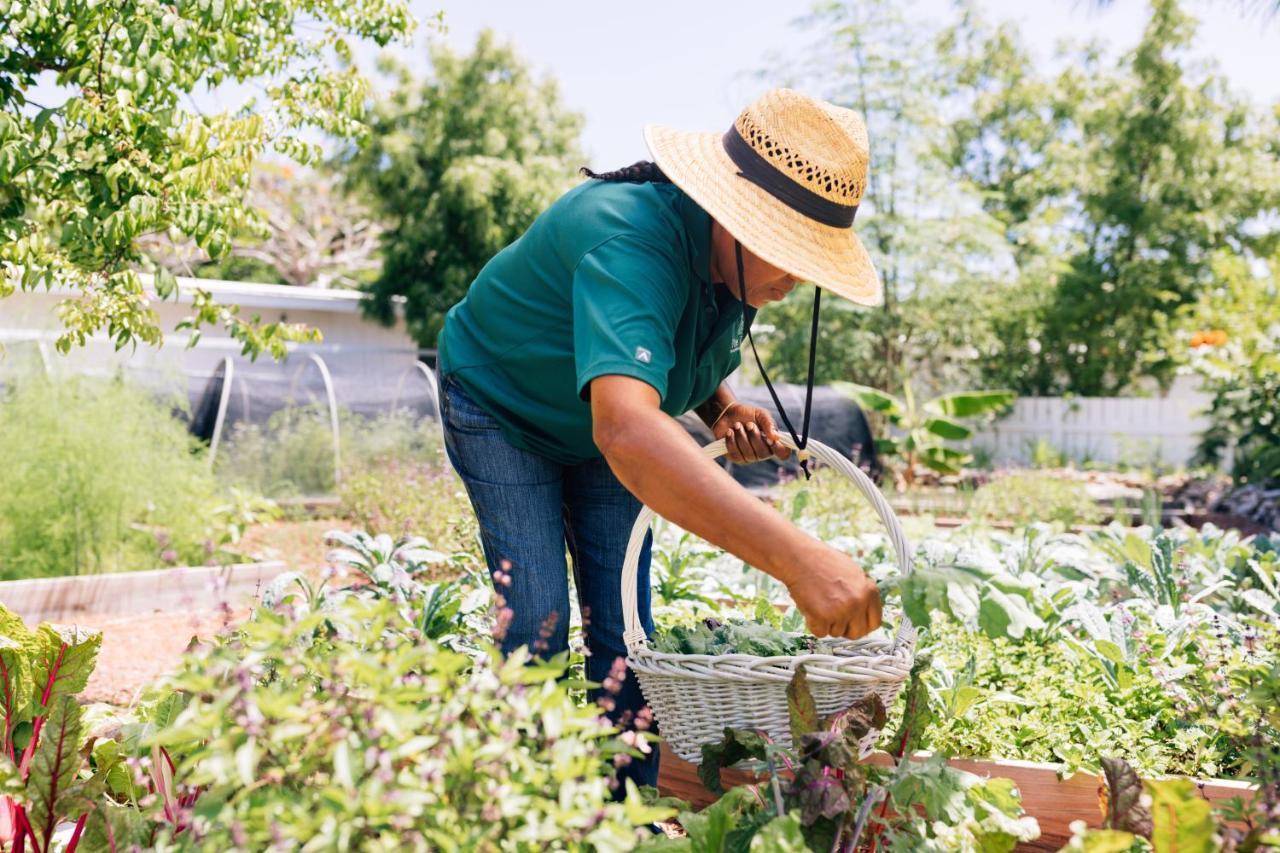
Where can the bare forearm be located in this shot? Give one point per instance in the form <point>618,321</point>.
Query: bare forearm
<point>662,466</point>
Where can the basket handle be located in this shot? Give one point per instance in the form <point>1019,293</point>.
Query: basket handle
<point>634,635</point>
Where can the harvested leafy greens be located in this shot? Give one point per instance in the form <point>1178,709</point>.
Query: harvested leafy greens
<point>712,637</point>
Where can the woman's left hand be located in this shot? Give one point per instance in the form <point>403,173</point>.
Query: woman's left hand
<point>749,434</point>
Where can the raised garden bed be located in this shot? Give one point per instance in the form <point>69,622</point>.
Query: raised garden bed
<point>185,589</point>
<point>1053,801</point>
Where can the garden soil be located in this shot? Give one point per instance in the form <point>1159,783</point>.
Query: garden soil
<point>139,648</point>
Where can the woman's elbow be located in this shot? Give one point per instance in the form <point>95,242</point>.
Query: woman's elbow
<point>613,437</point>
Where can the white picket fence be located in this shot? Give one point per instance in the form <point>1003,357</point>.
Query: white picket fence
<point>1137,430</point>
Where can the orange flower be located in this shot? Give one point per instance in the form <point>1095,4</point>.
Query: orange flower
<point>1211,338</point>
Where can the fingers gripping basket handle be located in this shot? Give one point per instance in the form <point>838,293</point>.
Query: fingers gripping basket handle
<point>634,634</point>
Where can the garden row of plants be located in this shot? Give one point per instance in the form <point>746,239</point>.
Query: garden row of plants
<point>380,716</point>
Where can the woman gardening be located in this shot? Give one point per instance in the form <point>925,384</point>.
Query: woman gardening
<point>622,307</point>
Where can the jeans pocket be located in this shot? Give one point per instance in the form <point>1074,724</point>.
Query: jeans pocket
<point>461,412</point>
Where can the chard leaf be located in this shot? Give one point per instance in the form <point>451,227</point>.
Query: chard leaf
<point>64,660</point>
<point>917,713</point>
<point>1124,808</point>
<point>817,794</point>
<point>800,705</point>
<point>54,769</point>
<point>112,827</point>
<point>16,688</point>
<point>1181,819</point>
<point>738,745</point>
<point>864,716</point>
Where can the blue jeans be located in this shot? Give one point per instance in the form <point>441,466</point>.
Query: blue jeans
<point>531,509</point>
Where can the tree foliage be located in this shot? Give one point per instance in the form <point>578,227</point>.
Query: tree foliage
<point>121,155</point>
<point>313,235</point>
<point>922,228</point>
<point>1116,186</point>
<point>1034,230</point>
<point>459,164</point>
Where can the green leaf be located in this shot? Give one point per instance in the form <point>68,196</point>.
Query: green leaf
<point>737,745</point>
<point>64,661</point>
<point>1005,615</point>
<point>54,767</point>
<point>16,685</point>
<point>780,835</point>
<point>967,404</point>
<point>947,429</point>
<point>1181,820</point>
<point>112,827</point>
<point>800,706</point>
<point>639,812</point>
<point>1124,808</point>
<point>872,398</point>
<point>1109,650</point>
<point>165,283</point>
<point>736,813</point>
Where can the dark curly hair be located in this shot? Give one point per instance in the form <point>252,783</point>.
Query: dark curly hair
<point>640,172</point>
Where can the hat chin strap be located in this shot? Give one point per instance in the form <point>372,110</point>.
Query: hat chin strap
<point>802,440</point>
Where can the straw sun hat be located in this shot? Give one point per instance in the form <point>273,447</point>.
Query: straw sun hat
<point>785,181</point>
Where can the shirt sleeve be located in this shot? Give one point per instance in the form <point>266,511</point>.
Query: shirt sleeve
<point>627,301</point>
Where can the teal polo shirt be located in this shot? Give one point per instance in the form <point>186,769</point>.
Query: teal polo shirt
<point>614,278</point>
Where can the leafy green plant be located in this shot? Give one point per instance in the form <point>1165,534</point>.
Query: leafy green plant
<point>674,578</point>
<point>926,427</point>
<point>819,795</point>
<point>454,613</point>
<point>975,595</point>
<point>1171,816</point>
<point>347,729</point>
<point>710,636</point>
<point>51,781</point>
<point>98,476</point>
<point>1028,498</point>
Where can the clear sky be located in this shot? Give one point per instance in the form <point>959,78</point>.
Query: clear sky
<point>688,63</point>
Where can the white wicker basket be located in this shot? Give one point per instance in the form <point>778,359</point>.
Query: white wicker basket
<point>695,697</point>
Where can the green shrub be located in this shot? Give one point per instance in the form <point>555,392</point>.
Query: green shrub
<point>98,477</point>
<point>1232,341</point>
<point>345,729</point>
<point>1029,498</point>
<point>409,497</point>
<point>292,453</point>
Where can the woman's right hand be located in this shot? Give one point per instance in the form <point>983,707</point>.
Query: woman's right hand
<point>834,594</point>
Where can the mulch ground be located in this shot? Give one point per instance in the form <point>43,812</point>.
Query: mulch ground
<point>139,648</point>
<point>299,544</point>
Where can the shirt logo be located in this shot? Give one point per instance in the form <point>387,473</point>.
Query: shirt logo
<point>643,355</point>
